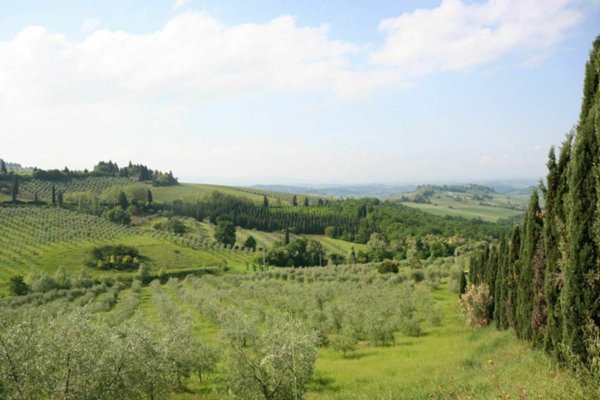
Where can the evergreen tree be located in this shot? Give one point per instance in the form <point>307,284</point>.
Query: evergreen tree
<point>123,202</point>
<point>60,198</point>
<point>514,270</point>
<point>525,283</point>
<point>286,237</point>
<point>15,189</point>
<point>149,198</point>
<point>294,201</point>
<point>582,288</point>
<point>265,201</point>
<point>500,298</point>
<point>306,204</point>
<point>3,169</point>
<point>250,243</point>
<point>53,196</point>
<point>555,239</point>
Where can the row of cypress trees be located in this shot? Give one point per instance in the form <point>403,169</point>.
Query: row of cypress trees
<point>545,278</point>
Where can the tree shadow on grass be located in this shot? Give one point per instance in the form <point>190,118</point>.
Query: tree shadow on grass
<point>321,383</point>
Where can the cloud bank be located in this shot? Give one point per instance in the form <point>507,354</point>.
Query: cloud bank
<point>113,85</point>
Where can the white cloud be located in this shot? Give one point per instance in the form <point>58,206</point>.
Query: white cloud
<point>179,3</point>
<point>458,35</point>
<point>89,25</point>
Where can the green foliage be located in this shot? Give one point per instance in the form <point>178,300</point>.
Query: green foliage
<point>17,286</point>
<point>387,266</point>
<point>118,216</point>
<point>115,257</point>
<point>250,243</point>
<point>276,365</point>
<point>225,232</point>
<point>298,253</point>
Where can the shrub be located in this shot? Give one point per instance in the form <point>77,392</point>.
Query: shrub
<point>474,304</point>
<point>387,266</point>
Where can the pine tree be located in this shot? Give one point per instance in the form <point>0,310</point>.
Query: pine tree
<point>149,198</point>
<point>294,201</point>
<point>525,284</point>
<point>265,201</point>
<point>60,198</point>
<point>53,196</point>
<point>582,286</point>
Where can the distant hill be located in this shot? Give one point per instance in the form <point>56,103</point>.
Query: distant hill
<point>357,191</point>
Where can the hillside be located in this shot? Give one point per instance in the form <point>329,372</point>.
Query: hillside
<point>468,201</point>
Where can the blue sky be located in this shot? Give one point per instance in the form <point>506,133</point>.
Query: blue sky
<point>245,92</point>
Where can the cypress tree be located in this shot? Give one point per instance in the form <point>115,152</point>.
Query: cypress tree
<point>60,198</point>
<point>525,283</point>
<point>501,291</point>
<point>3,169</point>
<point>306,203</point>
<point>53,196</point>
<point>582,287</point>
<point>555,240</point>
<point>123,202</point>
<point>491,270</point>
<point>149,198</point>
<point>294,201</point>
<point>286,237</point>
<point>265,201</point>
<point>514,270</point>
<point>15,188</point>
<point>539,311</point>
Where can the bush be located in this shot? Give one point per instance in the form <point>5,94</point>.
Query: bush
<point>387,266</point>
<point>118,216</point>
<point>474,304</point>
<point>119,257</point>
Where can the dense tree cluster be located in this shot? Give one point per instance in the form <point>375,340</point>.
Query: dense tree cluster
<point>545,279</point>
<point>137,172</point>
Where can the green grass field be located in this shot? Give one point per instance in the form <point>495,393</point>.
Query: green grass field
<point>191,191</point>
<point>491,210</point>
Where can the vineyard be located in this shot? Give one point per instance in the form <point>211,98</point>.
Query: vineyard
<point>36,239</point>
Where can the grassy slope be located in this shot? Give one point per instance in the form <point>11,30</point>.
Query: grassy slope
<point>442,204</point>
<point>449,361</point>
<point>186,191</point>
<point>34,240</point>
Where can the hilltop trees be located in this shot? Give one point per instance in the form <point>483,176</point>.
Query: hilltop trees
<point>3,169</point>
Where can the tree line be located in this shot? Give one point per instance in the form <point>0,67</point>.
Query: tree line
<point>544,280</point>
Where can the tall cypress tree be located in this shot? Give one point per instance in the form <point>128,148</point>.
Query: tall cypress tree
<point>582,288</point>
<point>555,241</point>
<point>15,188</point>
<point>525,284</point>
<point>514,271</point>
<point>501,290</point>
<point>3,169</point>
<point>53,196</point>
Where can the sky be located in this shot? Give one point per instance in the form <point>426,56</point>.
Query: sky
<point>294,92</point>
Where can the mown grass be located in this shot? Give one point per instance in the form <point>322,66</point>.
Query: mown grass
<point>192,191</point>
